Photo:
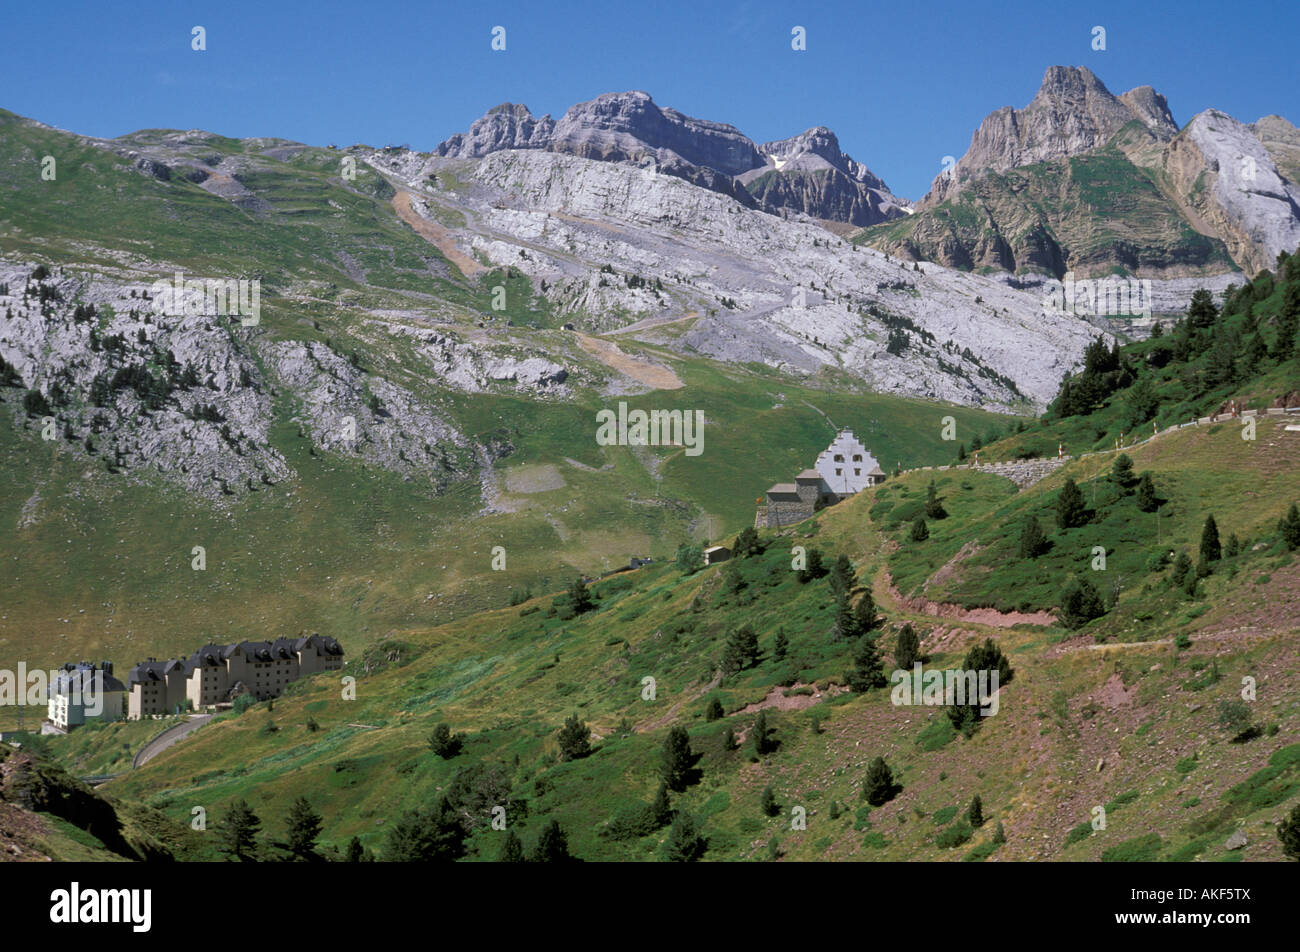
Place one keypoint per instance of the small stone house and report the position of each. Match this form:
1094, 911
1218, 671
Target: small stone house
842, 469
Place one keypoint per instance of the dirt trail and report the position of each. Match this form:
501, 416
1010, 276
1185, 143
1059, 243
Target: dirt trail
639, 369
649, 323
975, 616
435, 234
777, 698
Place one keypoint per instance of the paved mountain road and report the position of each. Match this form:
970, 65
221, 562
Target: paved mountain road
168, 737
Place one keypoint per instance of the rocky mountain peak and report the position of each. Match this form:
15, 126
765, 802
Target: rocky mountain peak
507, 126
817, 149
1073, 112
516, 109
630, 125
1152, 109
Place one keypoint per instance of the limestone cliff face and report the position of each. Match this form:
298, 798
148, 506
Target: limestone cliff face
630, 127
806, 174
1072, 113
620, 127
971, 339
1230, 185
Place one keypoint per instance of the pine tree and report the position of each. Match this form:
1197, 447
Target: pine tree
1182, 566
780, 646
1141, 403
733, 583
987, 656
1121, 473
579, 597
677, 765
879, 789
866, 673
741, 650
1033, 542
1071, 511
919, 531
1210, 548
1291, 528
239, 831
909, 648
444, 743
729, 740
814, 568
747, 543
304, 827
933, 507
714, 710
1287, 324
1254, 355
685, 843
999, 835
845, 626
35, 404
356, 853
661, 809
512, 849
864, 614
762, 735
1288, 831
841, 576
552, 846
575, 739
426, 836
976, 812
1202, 312
768, 804
1233, 546
1080, 603
1147, 500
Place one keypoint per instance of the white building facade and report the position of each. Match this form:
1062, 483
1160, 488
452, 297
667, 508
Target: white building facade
847, 467
82, 692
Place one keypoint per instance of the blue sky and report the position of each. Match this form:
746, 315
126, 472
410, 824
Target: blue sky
902, 84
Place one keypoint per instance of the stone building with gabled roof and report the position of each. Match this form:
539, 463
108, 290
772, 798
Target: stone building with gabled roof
842, 469
216, 673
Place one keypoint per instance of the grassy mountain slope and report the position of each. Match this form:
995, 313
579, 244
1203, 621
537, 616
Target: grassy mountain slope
100, 563
355, 551
1142, 706
1094, 214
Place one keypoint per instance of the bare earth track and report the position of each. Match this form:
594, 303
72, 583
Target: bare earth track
652, 375
435, 234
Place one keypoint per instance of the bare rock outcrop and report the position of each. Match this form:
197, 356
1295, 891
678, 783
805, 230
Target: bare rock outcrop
1229, 184
1072, 113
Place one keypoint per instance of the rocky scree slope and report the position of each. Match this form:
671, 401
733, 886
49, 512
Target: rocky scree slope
632, 244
